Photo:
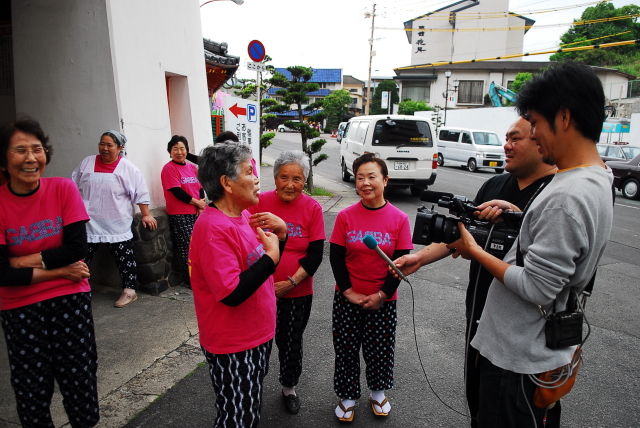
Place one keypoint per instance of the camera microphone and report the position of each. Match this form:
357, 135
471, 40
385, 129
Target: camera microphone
371, 243
434, 197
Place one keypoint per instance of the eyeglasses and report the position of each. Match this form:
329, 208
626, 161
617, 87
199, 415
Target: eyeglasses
23, 151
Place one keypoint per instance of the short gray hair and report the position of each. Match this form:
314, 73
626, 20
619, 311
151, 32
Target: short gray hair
218, 160
297, 157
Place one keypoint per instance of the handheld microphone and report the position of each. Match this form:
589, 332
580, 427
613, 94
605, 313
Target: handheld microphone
371, 243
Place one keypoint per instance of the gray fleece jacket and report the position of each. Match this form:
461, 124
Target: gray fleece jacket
562, 238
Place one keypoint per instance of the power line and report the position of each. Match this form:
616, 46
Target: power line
526, 27
578, 48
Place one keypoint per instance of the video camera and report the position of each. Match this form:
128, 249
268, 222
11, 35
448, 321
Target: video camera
434, 227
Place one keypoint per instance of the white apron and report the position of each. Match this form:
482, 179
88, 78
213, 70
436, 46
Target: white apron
109, 199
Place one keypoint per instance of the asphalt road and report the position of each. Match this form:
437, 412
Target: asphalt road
607, 391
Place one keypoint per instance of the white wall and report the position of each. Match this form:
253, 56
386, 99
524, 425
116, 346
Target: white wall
63, 75
464, 45
496, 119
150, 39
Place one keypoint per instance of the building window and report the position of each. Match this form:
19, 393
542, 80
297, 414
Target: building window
353, 90
471, 92
354, 101
416, 91
510, 84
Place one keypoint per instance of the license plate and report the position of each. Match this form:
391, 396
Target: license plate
402, 165
493, 163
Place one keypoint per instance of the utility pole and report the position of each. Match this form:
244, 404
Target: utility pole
369, 91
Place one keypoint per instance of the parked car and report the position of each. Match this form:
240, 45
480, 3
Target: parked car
341, 129
284, 128
615, 152
404, 142
626, 176
471, 148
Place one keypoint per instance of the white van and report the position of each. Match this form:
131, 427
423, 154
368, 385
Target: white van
472, 148
405, 143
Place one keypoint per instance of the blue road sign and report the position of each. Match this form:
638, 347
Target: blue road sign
252, 113
256, 50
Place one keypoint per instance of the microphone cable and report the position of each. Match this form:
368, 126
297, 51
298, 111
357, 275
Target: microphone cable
467, 337
415, 337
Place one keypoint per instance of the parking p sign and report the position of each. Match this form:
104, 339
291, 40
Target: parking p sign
252, 113
242, 117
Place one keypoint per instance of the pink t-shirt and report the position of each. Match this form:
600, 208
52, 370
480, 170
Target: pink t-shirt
388, 225
184, 177
30, 224
221, 249
106, 168
305, 224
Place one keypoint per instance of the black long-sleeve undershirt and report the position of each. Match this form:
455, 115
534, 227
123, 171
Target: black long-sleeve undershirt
193, 158
73, 249
337, 258
312, 261
252, 278
180, 194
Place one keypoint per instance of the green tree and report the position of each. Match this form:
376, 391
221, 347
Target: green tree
335, 107
624, 58
408, 106
294, 92
384, 86
520, 80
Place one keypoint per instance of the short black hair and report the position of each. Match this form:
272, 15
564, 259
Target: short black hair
569, 85
225, 136
371, 157
28, 126
175, 140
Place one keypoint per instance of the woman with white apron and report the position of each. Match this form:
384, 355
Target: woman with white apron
109, 185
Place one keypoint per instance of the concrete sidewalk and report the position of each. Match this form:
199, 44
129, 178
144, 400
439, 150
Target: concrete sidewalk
145, 349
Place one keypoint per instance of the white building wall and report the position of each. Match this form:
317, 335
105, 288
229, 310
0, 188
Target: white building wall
152, 40
614, 85
464, 45
63, 75
495, 119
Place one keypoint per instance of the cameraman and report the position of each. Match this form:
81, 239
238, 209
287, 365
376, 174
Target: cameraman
563, 235
527, 173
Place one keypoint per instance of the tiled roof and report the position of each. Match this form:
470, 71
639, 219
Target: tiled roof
295, 113
350, 80
327, 75
318, 93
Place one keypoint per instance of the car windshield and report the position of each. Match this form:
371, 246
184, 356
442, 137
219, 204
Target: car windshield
408, 133
486, 139
631, 152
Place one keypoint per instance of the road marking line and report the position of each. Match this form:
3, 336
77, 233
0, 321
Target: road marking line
628, 206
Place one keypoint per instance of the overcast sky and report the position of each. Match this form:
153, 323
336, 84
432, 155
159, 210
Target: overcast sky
335, 33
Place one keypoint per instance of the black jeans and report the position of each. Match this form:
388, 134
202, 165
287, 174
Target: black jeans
503, 404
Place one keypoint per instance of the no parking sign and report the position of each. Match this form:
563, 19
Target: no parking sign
256, 50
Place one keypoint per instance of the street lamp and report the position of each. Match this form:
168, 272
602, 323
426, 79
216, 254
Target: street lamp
445, 94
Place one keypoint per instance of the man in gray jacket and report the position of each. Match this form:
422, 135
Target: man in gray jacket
563, 236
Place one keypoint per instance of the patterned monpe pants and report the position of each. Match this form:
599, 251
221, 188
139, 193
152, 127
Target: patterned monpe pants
375, 331
49, 341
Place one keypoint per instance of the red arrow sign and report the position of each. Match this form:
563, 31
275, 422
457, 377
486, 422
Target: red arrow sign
238, 111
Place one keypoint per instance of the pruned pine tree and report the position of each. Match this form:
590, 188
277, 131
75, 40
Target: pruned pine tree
293, 93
